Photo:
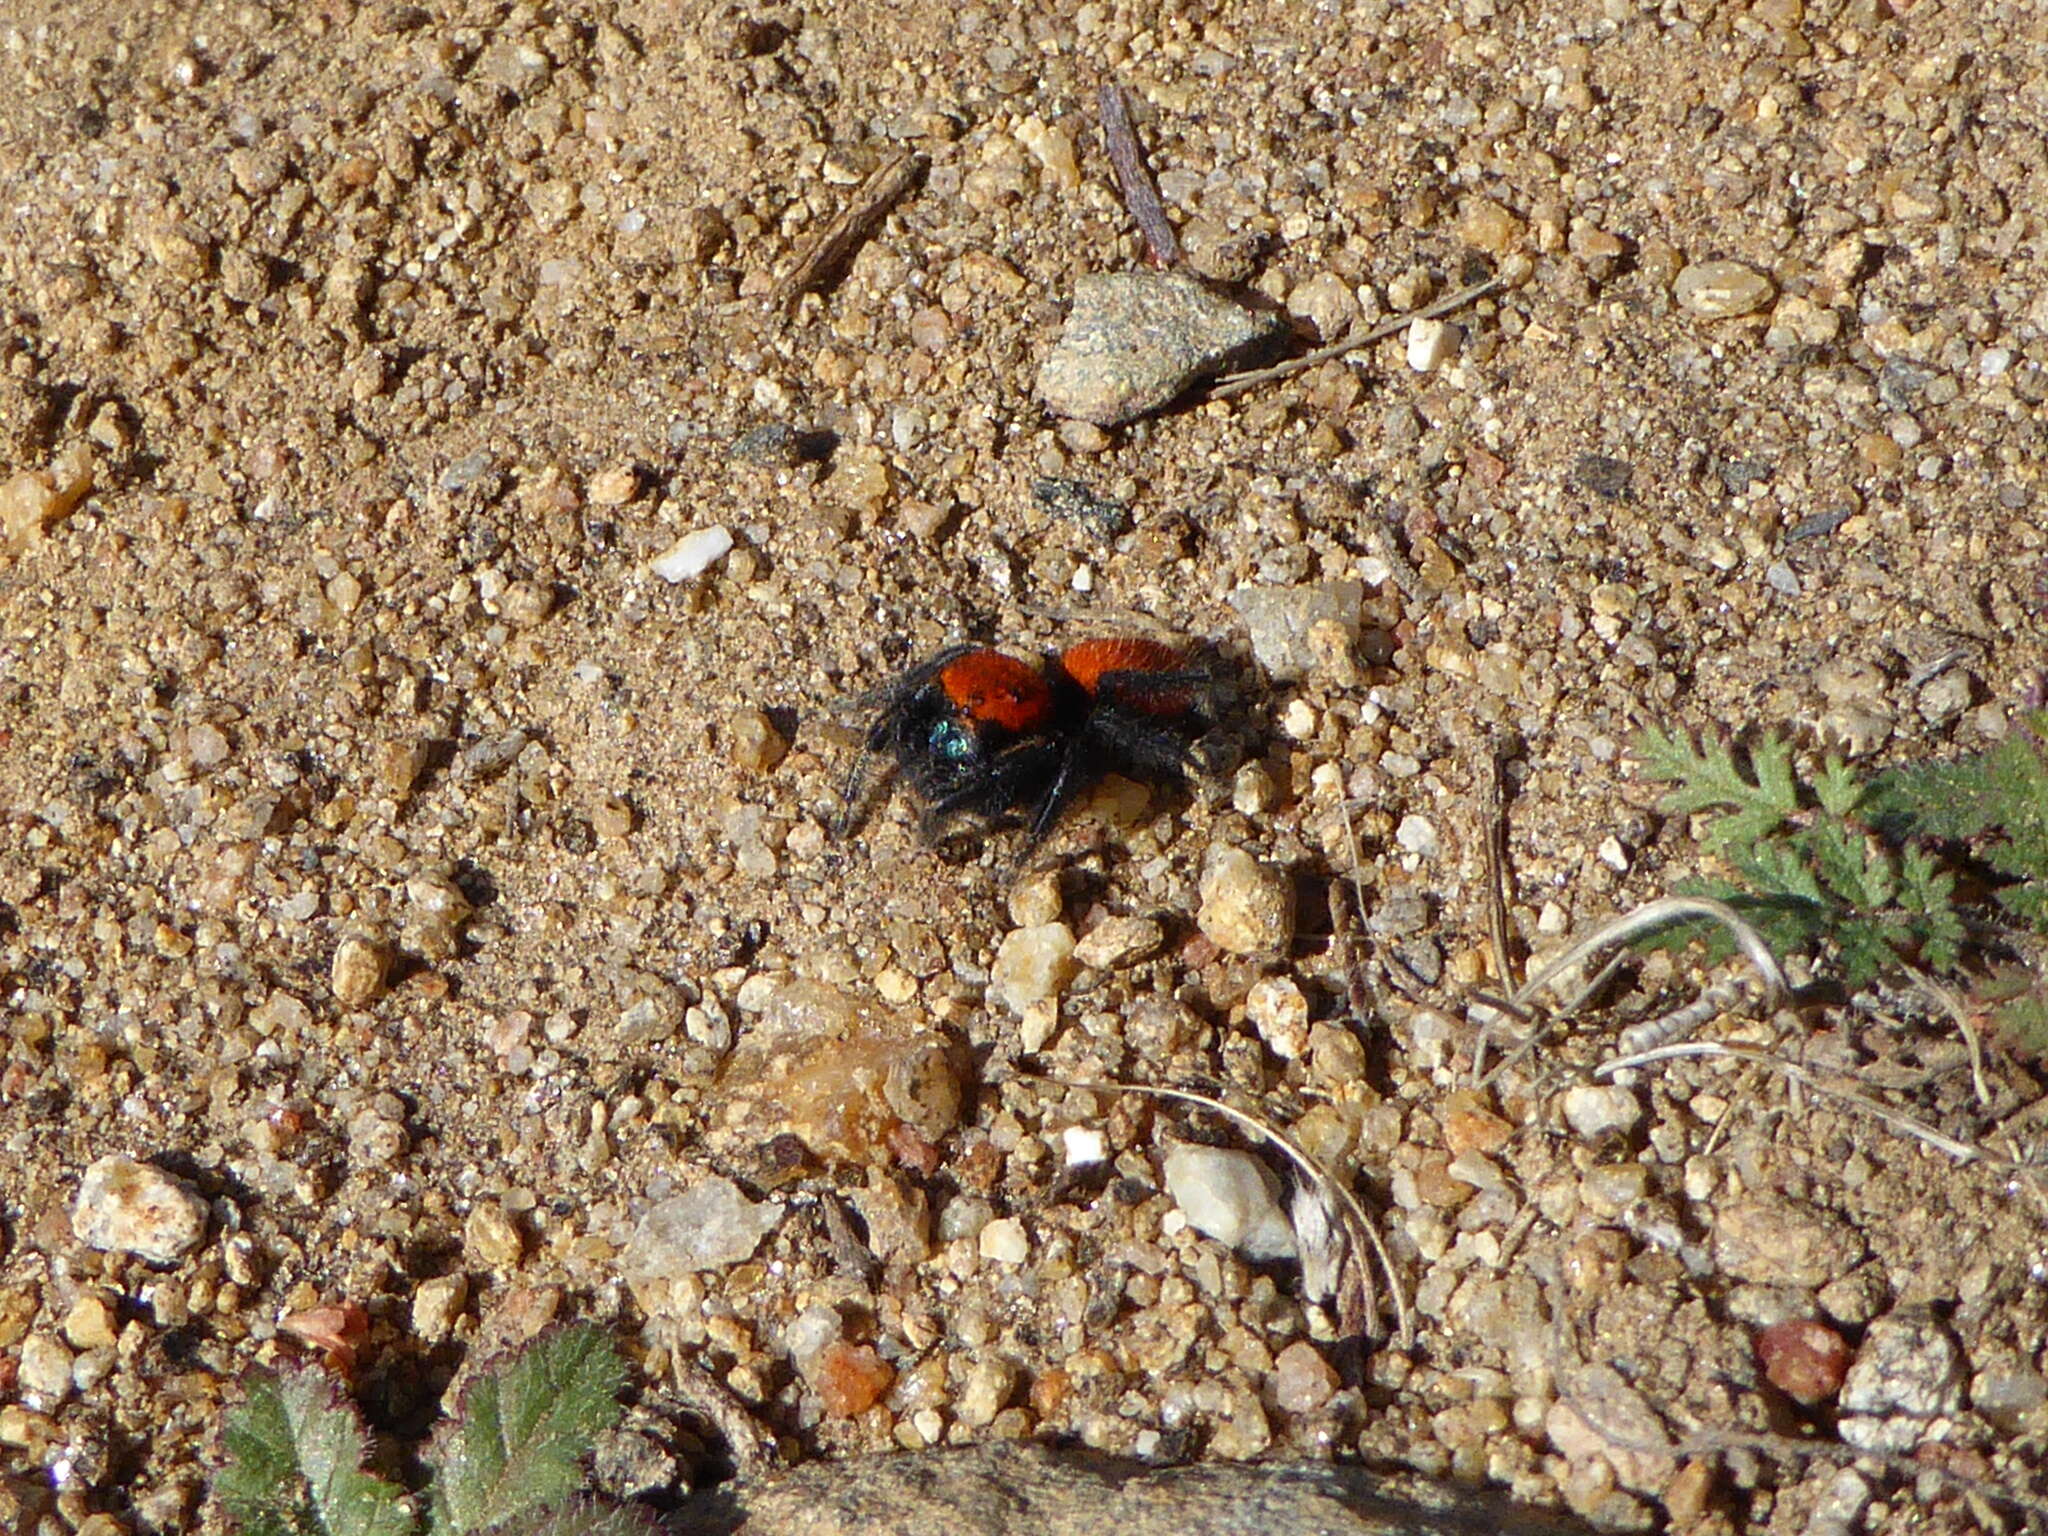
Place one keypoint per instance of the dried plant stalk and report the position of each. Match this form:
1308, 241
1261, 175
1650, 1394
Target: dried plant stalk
1134, 178
826, 260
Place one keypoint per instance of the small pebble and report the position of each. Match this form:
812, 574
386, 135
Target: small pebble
356, 976
44, 1372
1946, 697
1278, 1010
692, 555
35, 500
1327, 303
437, 1304
1084, 1145
1036, 900
849, 1378
1771, 1240
91, 1323
752, 741
1004, 1240
1594, 1110
1279, 622
1603, 1416
526, 603
1721, 290
1136, 341
1909, 1365
987, 1392
436, 913
1232, 1197
1804, 1358
1431, 344
1252, 790
468, 471
708, 1226
1119, 941
841, 1074
124, 1206
1302, 1379
1103, 516
490, 1238
1417, 834
1032, 965
1246, 907
2007, 1395
616, 486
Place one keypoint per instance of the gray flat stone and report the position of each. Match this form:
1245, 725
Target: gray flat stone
1136, 341
1008, 1490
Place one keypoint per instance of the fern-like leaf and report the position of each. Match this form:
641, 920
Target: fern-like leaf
2005, 789
1864, 879
2028, 903
1865, 946
1709, 777
1928, 891
1838, 789
295, 1464
2018, 998
1775, 868
514, 1444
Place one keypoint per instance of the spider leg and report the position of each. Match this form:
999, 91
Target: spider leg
1150, 747
853, 792
1079, 767
1165, 693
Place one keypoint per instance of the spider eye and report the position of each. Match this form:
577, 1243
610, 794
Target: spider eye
952, 741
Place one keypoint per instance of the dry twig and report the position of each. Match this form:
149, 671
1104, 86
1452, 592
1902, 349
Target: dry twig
1352, 340
1497, 863
754, 1448
826, 260
1945, 997
1134, 179
1904, 1124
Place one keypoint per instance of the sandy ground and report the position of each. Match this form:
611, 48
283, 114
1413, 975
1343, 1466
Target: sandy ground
396, 343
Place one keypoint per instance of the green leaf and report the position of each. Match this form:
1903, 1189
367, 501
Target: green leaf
1928, 890
1711, 777
1864, 880
1866, 946
2018, 995
2029, 903
2005, 788
514, 1444
295, 1464
1838, 789
1776, 869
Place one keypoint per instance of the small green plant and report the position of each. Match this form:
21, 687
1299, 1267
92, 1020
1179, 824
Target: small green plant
1873, 867
1810, 866
507, 1462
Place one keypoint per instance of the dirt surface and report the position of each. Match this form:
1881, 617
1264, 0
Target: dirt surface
396, 344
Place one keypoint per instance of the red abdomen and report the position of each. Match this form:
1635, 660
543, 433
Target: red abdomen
990, 688
1090, 661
